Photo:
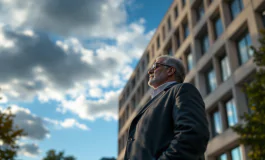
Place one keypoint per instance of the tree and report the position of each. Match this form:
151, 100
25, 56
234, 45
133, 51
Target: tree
105, 158
252, 131
8, 136
52, 155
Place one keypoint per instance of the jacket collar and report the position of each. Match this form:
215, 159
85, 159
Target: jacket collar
161, 88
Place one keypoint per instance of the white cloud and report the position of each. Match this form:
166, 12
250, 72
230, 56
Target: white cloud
67, 123
88, 109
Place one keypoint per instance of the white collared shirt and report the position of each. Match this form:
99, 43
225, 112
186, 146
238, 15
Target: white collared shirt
161, 88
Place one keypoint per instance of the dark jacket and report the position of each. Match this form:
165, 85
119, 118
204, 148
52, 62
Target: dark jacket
171, 126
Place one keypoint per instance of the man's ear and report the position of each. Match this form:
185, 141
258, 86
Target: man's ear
171, 71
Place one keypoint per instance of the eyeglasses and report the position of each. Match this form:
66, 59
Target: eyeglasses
157, 65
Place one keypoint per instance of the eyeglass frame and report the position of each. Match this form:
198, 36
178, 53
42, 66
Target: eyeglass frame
155, 67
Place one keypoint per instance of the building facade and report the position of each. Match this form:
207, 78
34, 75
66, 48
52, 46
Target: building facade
212, 37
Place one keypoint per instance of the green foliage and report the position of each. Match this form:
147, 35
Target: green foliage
52, 155
252, 132
104, 158
8, 136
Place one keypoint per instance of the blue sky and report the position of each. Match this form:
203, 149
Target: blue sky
63, 64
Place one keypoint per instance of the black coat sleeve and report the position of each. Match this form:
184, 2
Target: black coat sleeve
191, 133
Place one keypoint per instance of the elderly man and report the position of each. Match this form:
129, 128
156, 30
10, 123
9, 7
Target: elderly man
173, 124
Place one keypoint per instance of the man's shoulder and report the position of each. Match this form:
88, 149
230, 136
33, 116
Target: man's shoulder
184, 87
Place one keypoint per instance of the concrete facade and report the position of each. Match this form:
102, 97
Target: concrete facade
220, 62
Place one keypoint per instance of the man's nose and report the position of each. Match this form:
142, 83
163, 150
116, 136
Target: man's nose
150, 71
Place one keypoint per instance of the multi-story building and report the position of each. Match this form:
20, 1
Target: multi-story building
212, 37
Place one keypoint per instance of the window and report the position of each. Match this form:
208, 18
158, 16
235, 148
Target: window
263, 18
169, 23
210, 80
200, 11
189, 61
177, 39
204, 44
218, 27
164, 32
231, 112
216, 123
169, 51
186, 30
235, 6
222, 157
147, 58
153, 51
236, 154
158, 42
243, 46
183, 3
225, 68
176, 12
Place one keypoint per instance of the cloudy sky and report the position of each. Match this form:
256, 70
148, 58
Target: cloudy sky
63, 64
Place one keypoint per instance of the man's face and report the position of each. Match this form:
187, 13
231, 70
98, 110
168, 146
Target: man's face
158, 75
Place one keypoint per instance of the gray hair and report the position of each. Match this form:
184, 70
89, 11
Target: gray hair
177, 64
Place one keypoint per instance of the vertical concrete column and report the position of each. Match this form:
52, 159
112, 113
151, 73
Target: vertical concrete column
240, 101
253, 27
245, 151
184, 61
247, 3
225, 14
210, 32
232, 54
190, 22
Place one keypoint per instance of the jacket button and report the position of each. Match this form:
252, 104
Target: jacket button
130, 139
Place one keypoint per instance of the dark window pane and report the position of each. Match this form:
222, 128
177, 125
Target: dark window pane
236, 154
231, 113
183, 3
225, 67
222, 157
204, 44
263, 18
176, 12
158, 42
200, 11
245, 53
236, 7
186, 30
164, 32
178, 39
218, 27
211, 80
189, 61
216, 121
169, 23
169, 51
